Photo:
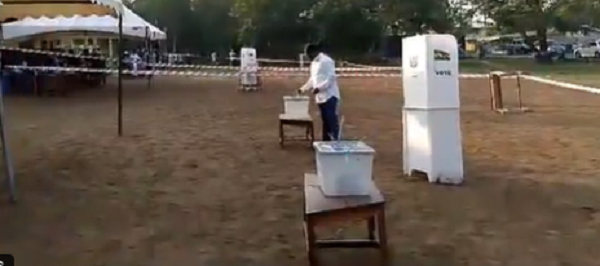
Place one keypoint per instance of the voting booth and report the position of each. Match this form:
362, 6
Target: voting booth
249, 78
432, 142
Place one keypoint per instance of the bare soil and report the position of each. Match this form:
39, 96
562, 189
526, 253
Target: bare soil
199, 179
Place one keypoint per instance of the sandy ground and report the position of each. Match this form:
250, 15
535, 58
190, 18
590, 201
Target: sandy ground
199, 179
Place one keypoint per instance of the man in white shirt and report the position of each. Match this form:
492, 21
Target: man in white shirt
323, 84
231, 57
213, 57
135, 61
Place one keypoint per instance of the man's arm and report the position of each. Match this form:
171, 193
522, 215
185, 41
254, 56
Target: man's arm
307, 86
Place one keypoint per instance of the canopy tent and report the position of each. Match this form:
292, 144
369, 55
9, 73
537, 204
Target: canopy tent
133, 26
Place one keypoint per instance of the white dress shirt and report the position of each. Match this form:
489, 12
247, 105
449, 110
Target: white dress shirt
323, 78
135, 62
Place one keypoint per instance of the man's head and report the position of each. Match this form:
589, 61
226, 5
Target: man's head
312, 50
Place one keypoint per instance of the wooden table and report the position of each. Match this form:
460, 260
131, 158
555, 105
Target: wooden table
320, 210
296, 121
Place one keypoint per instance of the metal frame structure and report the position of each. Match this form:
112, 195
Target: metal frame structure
8, 166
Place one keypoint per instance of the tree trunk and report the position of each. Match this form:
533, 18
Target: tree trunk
543, 56
542, 35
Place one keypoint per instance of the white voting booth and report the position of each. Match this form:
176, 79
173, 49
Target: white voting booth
432, 141
249, 79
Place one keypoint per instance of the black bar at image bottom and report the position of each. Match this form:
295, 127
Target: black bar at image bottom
7, 260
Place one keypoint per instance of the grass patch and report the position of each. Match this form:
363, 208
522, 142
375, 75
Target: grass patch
475, 66
592, 80
529, 65
575, 72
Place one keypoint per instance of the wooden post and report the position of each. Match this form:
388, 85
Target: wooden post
519, 101
496, 102
147, 57
120, 78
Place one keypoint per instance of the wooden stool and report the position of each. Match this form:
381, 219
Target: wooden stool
496, 99
321, 210
297, 121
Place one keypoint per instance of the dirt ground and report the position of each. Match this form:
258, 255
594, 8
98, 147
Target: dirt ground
199, 179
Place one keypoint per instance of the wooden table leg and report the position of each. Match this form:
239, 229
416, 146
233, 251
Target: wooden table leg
371, 228
382, 235
62, 85
35, 85
281, 134
307, 133
312, 133
311, 240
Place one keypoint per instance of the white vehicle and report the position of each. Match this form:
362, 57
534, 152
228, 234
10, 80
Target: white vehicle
175, 58
588, 49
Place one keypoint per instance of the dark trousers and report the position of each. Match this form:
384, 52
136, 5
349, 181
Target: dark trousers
329, 116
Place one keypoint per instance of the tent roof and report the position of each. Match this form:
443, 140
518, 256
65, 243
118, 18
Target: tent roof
21, 11
36, 8
133, 25
111, 3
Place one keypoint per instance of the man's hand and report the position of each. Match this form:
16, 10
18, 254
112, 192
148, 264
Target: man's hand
306, 87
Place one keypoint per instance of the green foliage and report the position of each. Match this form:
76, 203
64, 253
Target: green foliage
540, 15
280, 28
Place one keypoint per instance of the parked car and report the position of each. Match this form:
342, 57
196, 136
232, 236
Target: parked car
556, 48
568, 52
519, 46
587, 50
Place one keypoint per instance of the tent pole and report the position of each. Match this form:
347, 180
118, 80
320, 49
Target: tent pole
8, 167
120, 77
147, 56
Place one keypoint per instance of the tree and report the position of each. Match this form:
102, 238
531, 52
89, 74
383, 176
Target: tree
344, 26
571, 16
275, 26
279, 28
413, 17
526, 15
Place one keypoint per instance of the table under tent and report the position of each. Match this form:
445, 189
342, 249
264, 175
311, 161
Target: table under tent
14, 10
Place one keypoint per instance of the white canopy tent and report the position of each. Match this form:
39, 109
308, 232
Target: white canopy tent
133, 26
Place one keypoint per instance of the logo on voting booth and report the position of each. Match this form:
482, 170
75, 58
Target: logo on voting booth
439, 55
414, 61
